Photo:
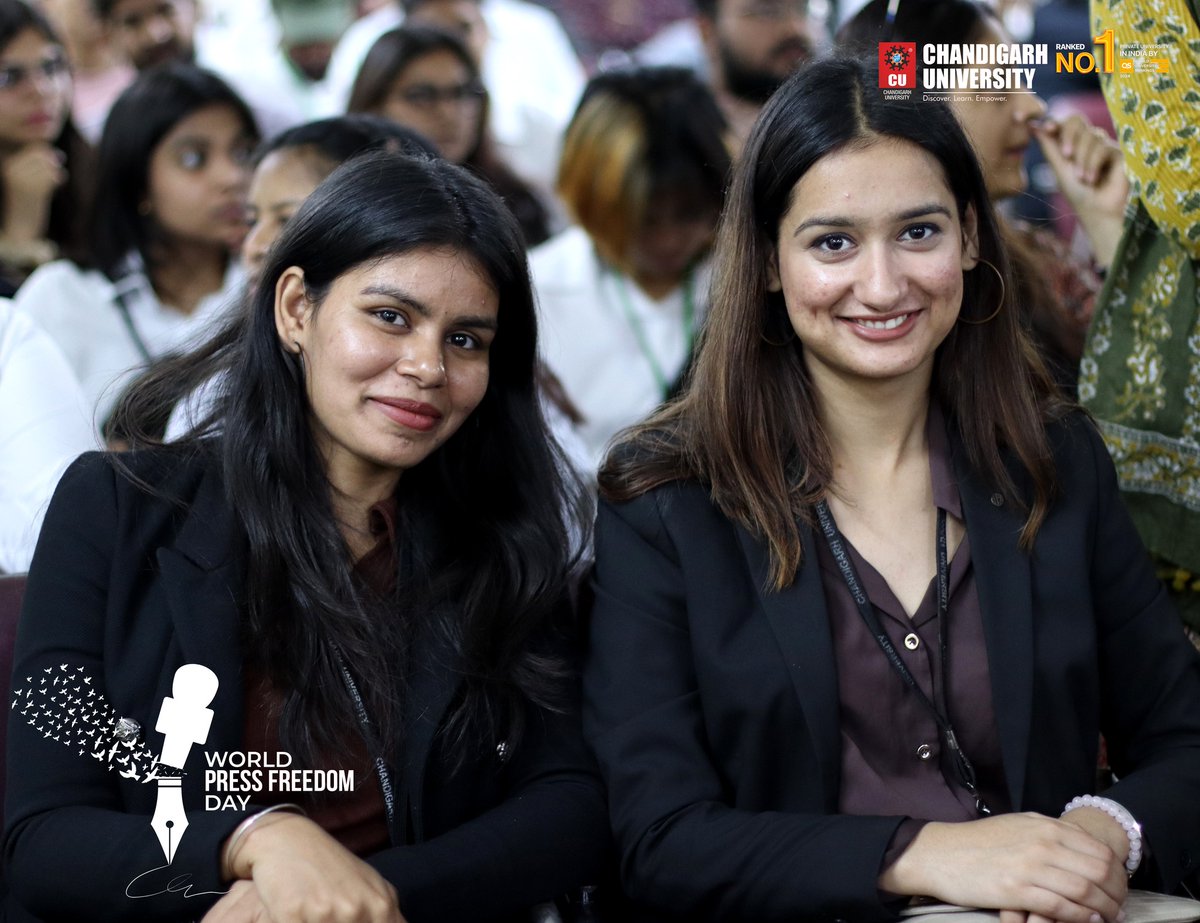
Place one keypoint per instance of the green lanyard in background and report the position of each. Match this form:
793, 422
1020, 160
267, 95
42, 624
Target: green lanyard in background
639, 331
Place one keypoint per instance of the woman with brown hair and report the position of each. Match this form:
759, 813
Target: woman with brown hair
866, 597
1056, 288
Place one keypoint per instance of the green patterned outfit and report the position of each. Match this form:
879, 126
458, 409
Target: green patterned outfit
1140, 375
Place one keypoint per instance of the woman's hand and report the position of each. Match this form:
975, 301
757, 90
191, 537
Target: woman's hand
240, 905
1090, 171
1026, 865
292, 871
1102, 826
30, 177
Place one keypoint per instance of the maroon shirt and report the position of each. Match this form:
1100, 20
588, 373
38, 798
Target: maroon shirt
893, 762
358, 819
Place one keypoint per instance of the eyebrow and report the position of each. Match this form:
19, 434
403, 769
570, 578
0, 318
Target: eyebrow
202, 139
199, 140
54, 54
837, 221
485, 323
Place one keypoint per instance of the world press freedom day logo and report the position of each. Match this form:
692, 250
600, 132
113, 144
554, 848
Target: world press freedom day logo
898, 65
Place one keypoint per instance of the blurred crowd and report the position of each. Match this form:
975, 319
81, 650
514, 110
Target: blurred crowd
134, 203
559, 224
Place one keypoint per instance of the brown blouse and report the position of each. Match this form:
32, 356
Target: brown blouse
892, 756
355, 819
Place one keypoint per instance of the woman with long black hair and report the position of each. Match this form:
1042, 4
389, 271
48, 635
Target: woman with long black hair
366, 545
166, 222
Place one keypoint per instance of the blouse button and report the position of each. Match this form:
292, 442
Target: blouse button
924, 752
997, 499
911, 641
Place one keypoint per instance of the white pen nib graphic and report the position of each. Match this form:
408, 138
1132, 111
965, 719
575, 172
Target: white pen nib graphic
66, 709
64, 706
169, 819
183, 720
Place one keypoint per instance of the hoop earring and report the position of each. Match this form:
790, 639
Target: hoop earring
789, 337
991, 317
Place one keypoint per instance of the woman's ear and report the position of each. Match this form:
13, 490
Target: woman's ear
293, 310
774, 284
970, 241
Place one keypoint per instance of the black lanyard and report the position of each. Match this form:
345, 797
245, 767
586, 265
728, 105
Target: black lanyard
372, 741
963, 769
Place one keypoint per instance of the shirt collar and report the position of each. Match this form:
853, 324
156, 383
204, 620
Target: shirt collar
941, 470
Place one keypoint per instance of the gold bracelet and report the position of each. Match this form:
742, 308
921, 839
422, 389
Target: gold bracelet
242, 829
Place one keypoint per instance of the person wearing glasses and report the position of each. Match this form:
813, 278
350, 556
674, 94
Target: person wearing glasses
866, 594
426, 79
525, 60
43, 169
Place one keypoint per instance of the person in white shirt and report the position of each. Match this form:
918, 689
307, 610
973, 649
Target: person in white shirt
623, 293
43, 427
151, 33
280, 61
529, 67
99, 71
169, 214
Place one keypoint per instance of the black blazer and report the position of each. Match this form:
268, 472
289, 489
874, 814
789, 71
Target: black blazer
128, 586
712, 703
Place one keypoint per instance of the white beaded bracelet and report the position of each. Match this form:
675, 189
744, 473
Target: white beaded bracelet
1117, 812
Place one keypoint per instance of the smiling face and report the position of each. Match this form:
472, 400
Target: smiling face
396, 358
1000, 132
196, 190
871, 258
33, 106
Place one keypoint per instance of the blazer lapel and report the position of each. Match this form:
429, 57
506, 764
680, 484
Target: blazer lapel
201, 583
798, 618
1002, 577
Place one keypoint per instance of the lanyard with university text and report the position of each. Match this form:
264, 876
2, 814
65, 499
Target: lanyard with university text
963, 770
372, 741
